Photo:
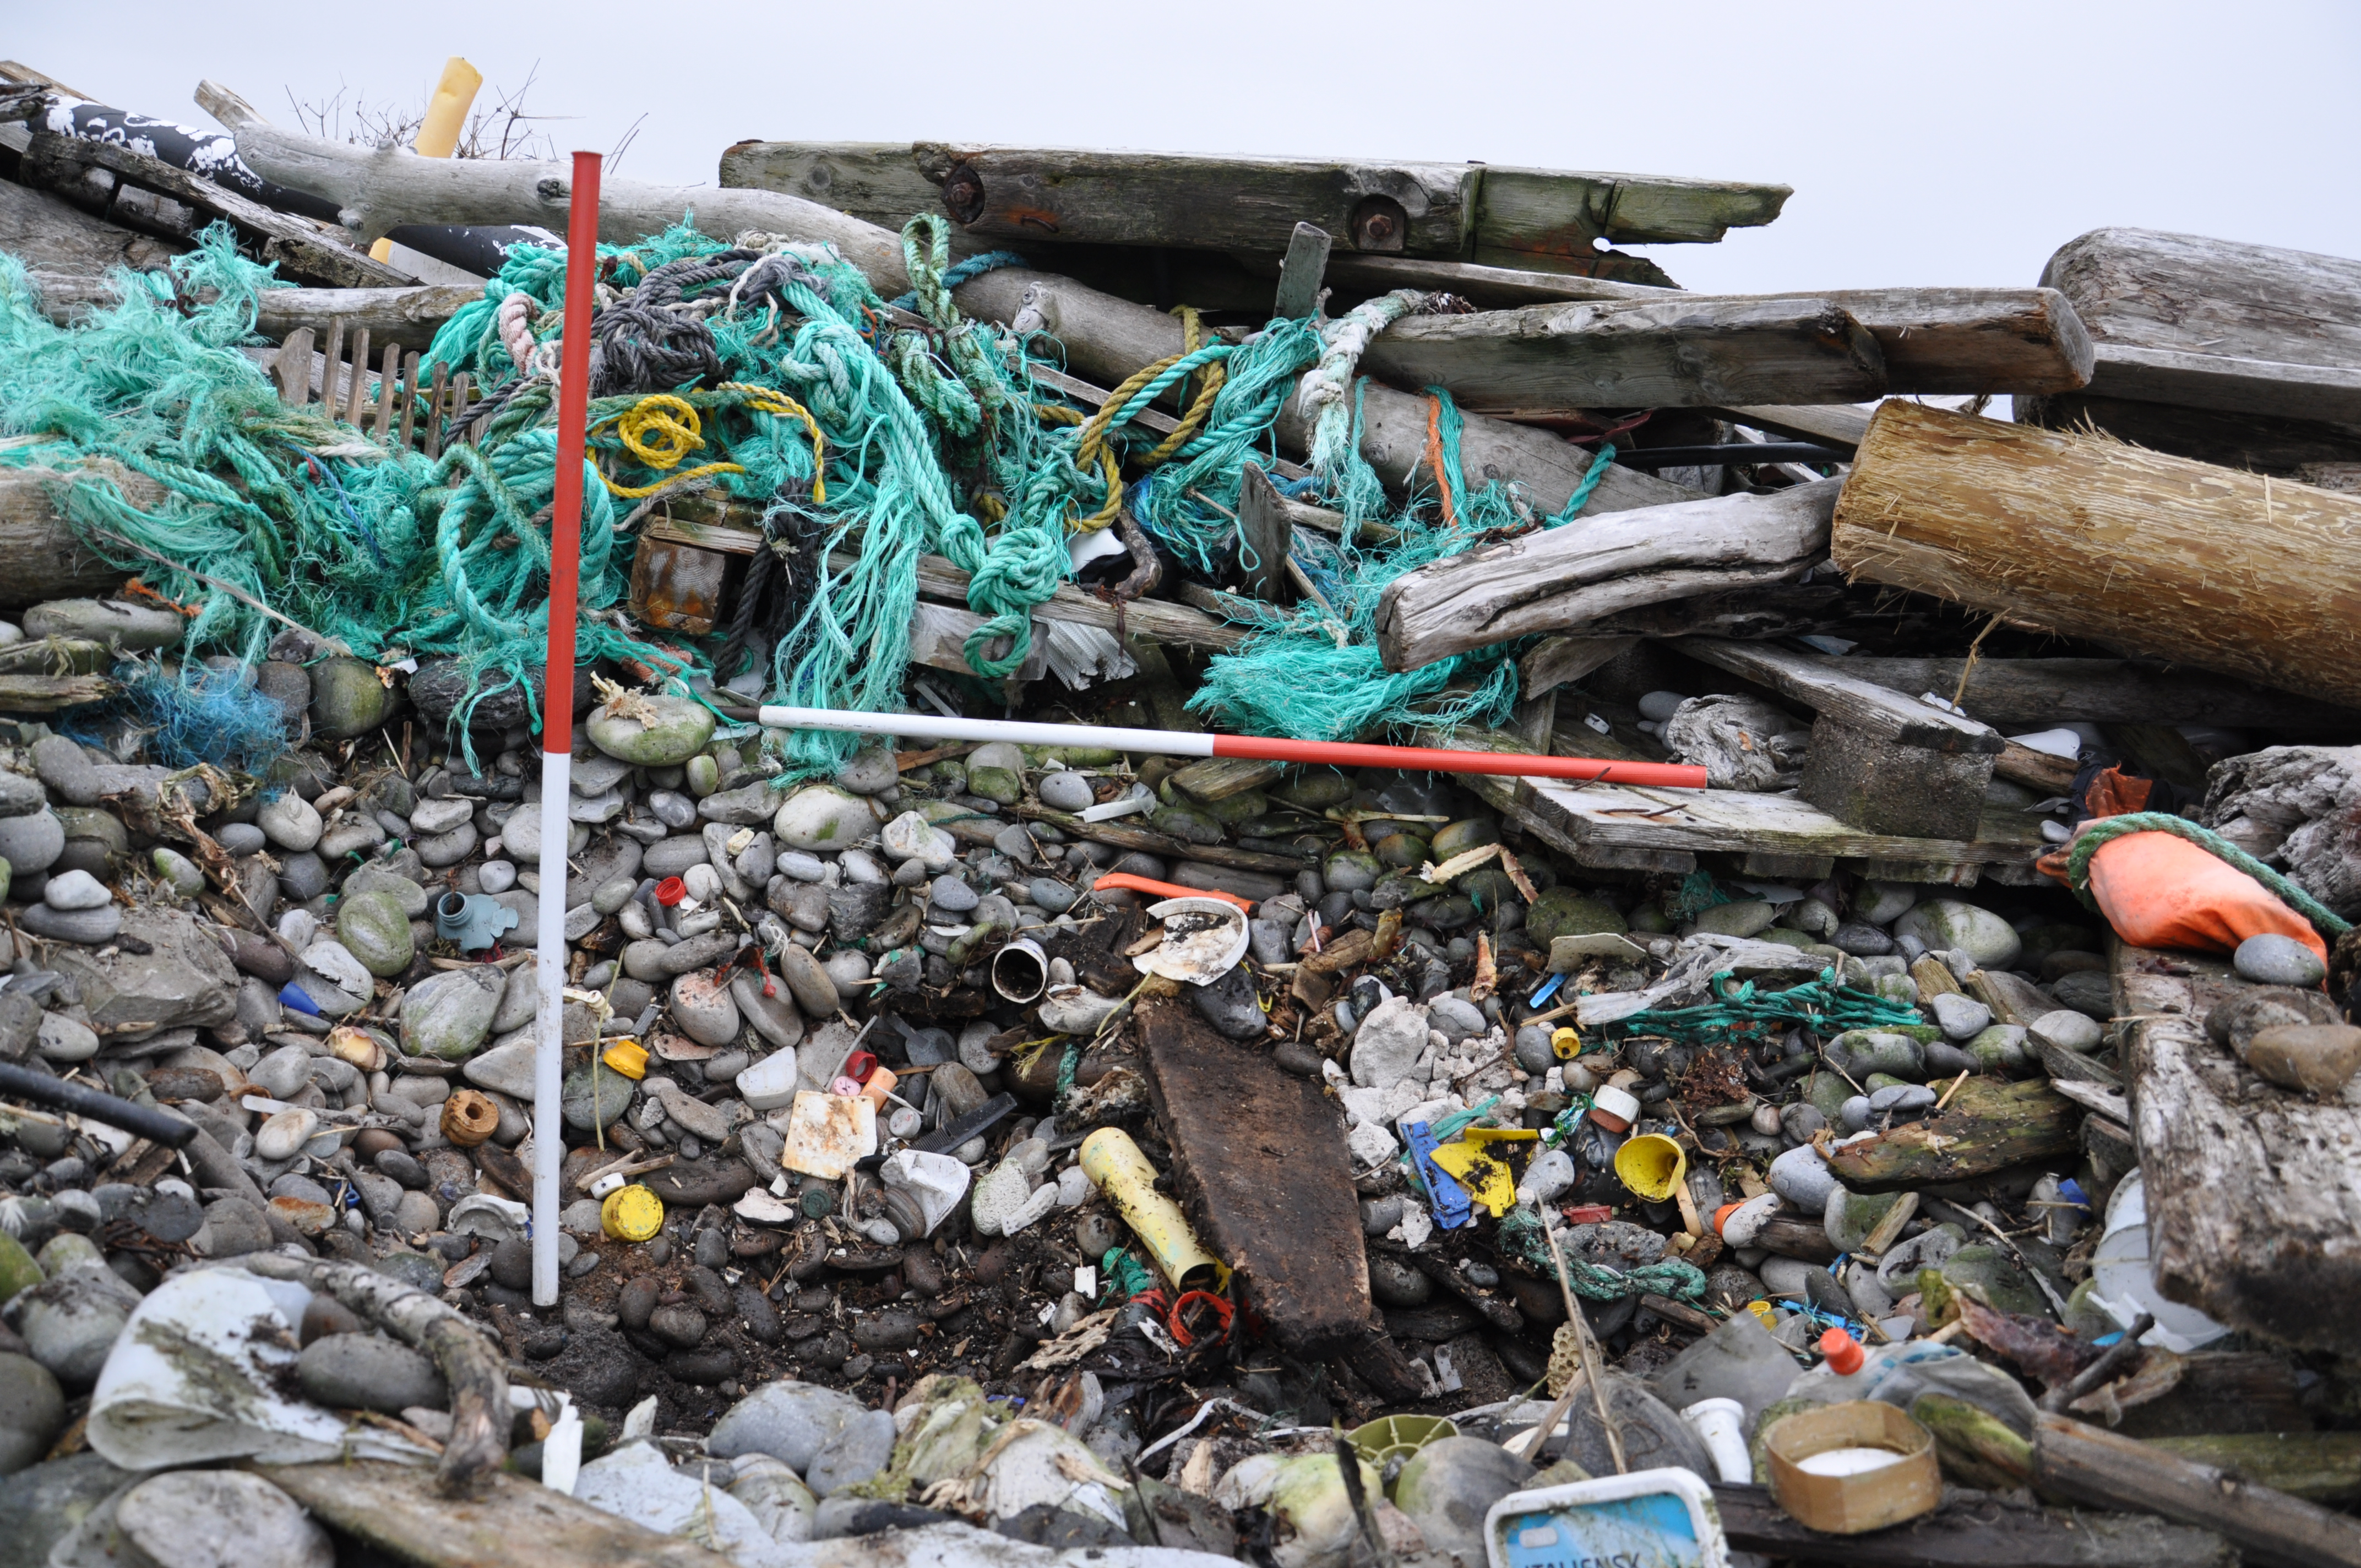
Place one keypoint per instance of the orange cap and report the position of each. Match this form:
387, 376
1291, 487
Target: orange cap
1844, 1356
880, 1083
1721, 1215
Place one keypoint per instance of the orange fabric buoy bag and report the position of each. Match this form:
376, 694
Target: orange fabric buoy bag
2159, 891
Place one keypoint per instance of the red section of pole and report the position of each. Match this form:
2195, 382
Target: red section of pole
1419, 759
573, 434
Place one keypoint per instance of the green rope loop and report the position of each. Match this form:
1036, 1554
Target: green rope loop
2107, 829
1522, 1233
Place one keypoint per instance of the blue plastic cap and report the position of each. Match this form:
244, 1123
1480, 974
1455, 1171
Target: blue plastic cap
292, 995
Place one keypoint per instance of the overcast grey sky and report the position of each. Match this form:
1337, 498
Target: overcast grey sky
1927, 144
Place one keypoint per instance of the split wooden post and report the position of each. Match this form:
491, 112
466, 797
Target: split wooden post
1300, 273
557, 721
1263, 525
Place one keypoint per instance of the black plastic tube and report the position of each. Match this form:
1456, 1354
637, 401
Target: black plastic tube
145, 1121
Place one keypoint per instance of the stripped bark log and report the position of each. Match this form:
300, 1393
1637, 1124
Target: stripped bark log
2154, 555
470, 1364
1560, 579
46, 560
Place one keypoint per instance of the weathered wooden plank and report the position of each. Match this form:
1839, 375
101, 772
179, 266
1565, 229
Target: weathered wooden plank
1561, 661
2215, 324
1260, 1161
1988, 1125
410, 317
1829, 687
51, 236
2282, 447
1219, 778
2154, 555
2045, 692
66, 164
1675, 351
1601, 817
1560, 579
2253, 1192
1146, 840
1840, 425
1973, 1530
1537, 217
2318, 1466
398, 1509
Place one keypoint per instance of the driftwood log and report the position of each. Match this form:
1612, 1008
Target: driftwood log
2039, 692
395, 1511
2300, 808
46, 561
2254, 1196
1560, 579
2083, 535
470, 1363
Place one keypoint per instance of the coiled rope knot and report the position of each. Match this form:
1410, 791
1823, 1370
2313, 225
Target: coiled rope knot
660, 430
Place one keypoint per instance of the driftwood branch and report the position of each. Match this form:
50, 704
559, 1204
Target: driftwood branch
470, 1365
1560, 579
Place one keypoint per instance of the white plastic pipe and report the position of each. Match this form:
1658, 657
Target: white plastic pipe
1722, 1425
549, 1023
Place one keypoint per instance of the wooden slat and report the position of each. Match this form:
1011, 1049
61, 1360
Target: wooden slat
410, 317
1827, 687
2040, 693
1669, 352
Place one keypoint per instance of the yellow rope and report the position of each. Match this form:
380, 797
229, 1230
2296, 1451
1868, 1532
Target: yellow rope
660, 430
1094, 446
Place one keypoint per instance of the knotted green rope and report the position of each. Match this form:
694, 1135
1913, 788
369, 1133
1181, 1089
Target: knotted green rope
1522, 1233
2107, 829
1830, 1008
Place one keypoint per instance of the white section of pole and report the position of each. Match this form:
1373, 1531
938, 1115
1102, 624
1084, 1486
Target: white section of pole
549, 1024
1169, 742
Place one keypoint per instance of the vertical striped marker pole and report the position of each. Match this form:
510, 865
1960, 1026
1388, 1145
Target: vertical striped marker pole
557, 721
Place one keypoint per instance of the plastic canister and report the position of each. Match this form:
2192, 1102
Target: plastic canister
879, 1084
632, 1213
1721, 1424
1614, 1109
2122, 1279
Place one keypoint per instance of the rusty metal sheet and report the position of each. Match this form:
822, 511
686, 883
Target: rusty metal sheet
678, 586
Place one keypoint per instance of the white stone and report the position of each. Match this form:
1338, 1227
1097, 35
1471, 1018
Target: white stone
333, 963
769, 1083
76, 890
822, 817
1389, 1043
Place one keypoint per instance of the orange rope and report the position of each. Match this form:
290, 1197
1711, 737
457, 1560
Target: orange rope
1435, 458
135, 589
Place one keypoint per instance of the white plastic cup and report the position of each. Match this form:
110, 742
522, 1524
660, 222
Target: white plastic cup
1721, 1424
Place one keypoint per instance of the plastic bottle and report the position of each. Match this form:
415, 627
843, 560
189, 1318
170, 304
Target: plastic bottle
1846, 1371
1898, 1373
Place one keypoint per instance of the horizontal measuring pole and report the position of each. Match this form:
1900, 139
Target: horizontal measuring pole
1255, 748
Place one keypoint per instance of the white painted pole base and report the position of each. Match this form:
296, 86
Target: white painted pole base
549, 1024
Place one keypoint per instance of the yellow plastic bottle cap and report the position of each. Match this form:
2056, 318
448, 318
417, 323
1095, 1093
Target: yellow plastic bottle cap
1764, 1310
632, 1213
1565, 1044
627, 1056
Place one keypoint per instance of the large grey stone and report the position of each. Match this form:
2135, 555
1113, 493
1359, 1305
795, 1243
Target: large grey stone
813, 989
1946, 923
184, 979
348, 699
857, 1451
774, 1016
70, 1322
32, 1409
1448, 1486
31, 843
65, 770
368, 1372
90, 927
703, 1010
2271, 959
289, 821
449, 1015
822, 817
221, 1518
507, 1068
374, 928
660, 733
404, 891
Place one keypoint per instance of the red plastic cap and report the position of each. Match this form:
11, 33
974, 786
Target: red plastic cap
671, 890
1844, 1356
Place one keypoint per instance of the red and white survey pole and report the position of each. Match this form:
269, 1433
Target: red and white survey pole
557, 721
1259, 747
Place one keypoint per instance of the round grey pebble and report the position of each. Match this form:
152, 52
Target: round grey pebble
672, 809
302, 876
241, 837
1901, 1098
1066, 791
2269, 958
90, 926
1535, 1052
1051, 896
496, 876
951, 896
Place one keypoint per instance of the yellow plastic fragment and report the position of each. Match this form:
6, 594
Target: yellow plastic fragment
1476, 1165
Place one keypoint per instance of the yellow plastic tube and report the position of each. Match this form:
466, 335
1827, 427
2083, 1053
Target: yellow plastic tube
446, 117
1117, 1169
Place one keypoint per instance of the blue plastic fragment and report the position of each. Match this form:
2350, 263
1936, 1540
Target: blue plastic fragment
1445, 1195
1548, 989
292, 995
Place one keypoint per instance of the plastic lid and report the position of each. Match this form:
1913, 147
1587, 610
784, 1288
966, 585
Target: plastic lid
671, 890
1844, 1356
1614, 1108
632, 1213
627, 1056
